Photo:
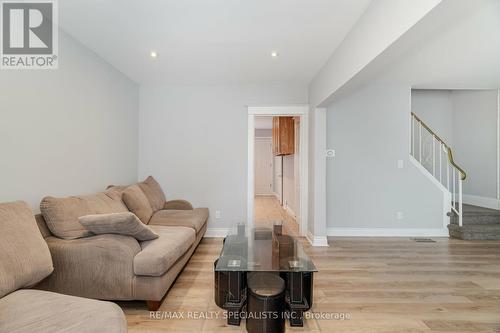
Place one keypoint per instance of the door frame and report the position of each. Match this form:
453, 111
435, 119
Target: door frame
301, 111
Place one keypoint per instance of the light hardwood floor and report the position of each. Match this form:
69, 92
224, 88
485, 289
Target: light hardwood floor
384, 284
267, 209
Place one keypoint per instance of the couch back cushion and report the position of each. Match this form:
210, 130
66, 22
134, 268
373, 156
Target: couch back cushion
138, 203
61, 214
154, 193
24, 256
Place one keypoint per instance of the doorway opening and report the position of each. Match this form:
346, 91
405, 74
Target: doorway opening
277, 168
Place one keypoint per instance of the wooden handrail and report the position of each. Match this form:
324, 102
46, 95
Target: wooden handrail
463, 174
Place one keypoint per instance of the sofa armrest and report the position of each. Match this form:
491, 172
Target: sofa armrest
178, 205
100, 266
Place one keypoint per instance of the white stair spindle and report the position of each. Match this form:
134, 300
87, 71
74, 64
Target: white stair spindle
412, 135
420, 143
434, 156
447, 173
441, 163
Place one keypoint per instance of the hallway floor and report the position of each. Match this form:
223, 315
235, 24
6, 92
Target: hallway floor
267, 209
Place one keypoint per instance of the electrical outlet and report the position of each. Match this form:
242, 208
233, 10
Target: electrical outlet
218, 214
399, 215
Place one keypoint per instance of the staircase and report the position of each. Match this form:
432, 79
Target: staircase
466, 221
478, 224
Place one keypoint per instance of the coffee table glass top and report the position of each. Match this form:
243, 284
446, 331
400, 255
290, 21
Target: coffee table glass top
264, 250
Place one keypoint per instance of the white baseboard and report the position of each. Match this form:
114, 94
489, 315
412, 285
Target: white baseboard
387, 232
486, 202
217, 232
317, 241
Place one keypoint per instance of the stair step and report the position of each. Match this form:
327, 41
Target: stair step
475, 231
477, 215
476, 219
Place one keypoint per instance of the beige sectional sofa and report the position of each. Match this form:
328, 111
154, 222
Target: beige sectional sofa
24, 261
114, 266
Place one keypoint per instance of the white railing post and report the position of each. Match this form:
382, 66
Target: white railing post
454, 192
460, 203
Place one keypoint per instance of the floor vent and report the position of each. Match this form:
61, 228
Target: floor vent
423, 240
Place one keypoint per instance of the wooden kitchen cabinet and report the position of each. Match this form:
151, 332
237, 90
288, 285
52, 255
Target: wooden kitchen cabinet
283, 136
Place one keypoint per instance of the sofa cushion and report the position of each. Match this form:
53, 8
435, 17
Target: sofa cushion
158, 255
61, 214
138, 203
118, 223
178, 204
27, 311
153, 192
24, 256
98, 267
195, 218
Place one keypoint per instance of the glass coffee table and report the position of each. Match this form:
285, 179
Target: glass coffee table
263, 250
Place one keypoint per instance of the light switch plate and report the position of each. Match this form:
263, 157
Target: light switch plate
400, 164
330, 153
218, 214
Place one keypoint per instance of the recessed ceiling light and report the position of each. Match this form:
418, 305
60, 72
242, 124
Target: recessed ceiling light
274, 54
154, 54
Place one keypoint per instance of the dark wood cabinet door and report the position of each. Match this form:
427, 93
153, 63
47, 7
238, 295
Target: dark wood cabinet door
283, 136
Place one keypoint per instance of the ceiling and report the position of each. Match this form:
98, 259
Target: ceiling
212, 42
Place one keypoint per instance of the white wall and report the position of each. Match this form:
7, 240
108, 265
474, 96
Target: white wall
435, 109
475, 140
194, 140
352, 56
370, 132
67, 131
